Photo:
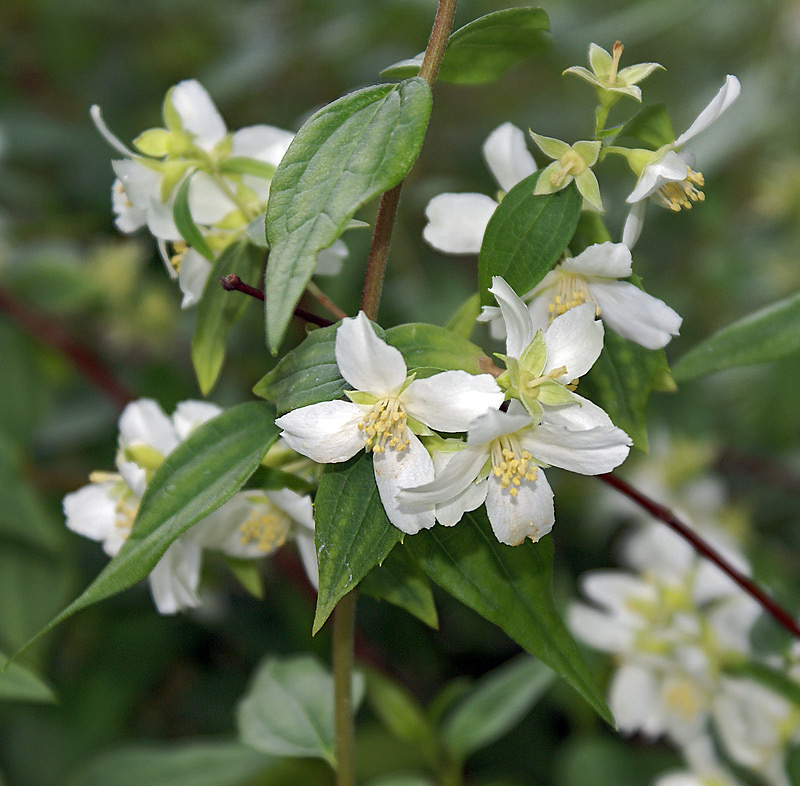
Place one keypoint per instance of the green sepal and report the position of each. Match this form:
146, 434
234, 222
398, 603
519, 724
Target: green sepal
184, 221
554, 394
153, 142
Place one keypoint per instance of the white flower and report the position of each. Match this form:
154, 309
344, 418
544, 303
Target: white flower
594, 277
665, 175
377, 417
505, 454
251, 524
457, 222
543, 367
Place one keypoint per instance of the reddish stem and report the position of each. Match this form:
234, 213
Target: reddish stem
665, 515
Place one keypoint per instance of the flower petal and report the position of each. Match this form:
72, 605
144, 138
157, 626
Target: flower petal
473, 496
176, 577
450, 482
634, 223
507, 156
128, 218
635, 73
600, 60
298, 506
519, 327
634, 314
590, 188
451, 400
91, 511
727, 94
634, 700
395, 470
552, 148
329, 260
588, 151
141, 183
97, 118
262, 142
546, 182
207, 202
496, 423
308, 555
192, 277
161, 223
457, 222
529, 514
669, 168
575, 340
189, 415
581, 415
143, 422
326, 432
367, 362
588, 452
600, 631
198, 113
610, 260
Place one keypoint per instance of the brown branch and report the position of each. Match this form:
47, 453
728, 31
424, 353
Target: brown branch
325, 301
232, 283
387, 209
56, 337
665, 515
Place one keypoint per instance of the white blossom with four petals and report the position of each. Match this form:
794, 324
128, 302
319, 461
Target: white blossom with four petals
384, 403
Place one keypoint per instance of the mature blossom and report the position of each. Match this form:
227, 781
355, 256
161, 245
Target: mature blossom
384, 411
572, 162
595, 276
665, 175
251, 524
504, 457
457, 222
608, 78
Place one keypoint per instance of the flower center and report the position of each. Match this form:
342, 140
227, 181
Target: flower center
180, 248
616, 55
511, 463
572, 290
530, 384
571, 164
385, 426
681, 194
267, 529
683, 698
122, 194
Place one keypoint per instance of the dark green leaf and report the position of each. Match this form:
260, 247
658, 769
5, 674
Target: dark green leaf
353, 533
400, 582
771, 333
510, 586
621, 382
486, 48
651, 126
272, 479
345, 155
184, 222
202, 473
192, 764
247, 573
19, 684
429, 346
288, 708
219, 310
499, 701
526, 236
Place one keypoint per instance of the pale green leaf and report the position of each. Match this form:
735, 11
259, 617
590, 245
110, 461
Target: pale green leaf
526, 236
497, 703
288, 708
510, 586
772, 333
399, 711
353, 533
185, 224
486, 48
346, 154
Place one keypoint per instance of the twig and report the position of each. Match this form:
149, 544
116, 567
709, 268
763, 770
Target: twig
325, 301
665, 515
232, 282
387, 209
56, 337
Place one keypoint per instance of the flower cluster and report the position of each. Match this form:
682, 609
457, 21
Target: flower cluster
679, 629
252, 524
228, 177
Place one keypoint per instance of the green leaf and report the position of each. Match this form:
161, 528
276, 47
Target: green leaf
202, 473
272, 479
184, 222
403, 779
19, 684
345, 155
526, 235
772, 333
621, 382
431, 347
651, 126
486, 48
510, 586
400, 712
219, 310
353, 533
400, 582
247, 573
499, 701
193, 764
463, 321
288, 708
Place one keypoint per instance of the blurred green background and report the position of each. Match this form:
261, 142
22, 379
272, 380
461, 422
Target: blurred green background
125, 676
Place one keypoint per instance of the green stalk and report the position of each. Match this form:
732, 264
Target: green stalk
344, 616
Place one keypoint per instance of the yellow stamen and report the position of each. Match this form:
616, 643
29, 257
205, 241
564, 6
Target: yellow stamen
266, 528
512, 464
571, 164
180, 248
681, 194
616, 54
385, 426
572, 290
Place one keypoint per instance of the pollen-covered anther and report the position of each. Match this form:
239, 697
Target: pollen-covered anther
385, 426
572, 290
180, 248
512, 464
267, 530
681, 194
